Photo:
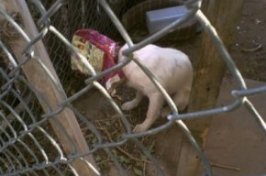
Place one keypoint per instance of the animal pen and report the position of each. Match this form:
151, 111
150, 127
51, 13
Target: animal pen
43, 132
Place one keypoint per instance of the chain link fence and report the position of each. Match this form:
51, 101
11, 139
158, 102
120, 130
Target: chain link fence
33, 139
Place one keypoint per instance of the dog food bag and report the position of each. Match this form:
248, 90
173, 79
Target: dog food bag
100, 51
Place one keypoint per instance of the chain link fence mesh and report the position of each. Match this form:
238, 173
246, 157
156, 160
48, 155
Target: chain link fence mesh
28, 145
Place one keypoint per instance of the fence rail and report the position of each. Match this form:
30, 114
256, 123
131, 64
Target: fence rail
27, 144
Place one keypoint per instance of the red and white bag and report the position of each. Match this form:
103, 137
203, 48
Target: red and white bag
100, 51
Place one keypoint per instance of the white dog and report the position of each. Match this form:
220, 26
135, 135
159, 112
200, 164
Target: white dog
173, 70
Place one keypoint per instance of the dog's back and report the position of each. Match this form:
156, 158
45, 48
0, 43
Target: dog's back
171, 67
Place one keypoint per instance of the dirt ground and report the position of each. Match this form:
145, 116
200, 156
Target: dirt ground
235, 140
249, 56
249, 53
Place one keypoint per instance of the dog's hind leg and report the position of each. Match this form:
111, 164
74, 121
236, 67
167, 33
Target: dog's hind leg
133, 103
181, 98
155, 105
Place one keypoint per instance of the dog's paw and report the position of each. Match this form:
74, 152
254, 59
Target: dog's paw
127, 106
139, 128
